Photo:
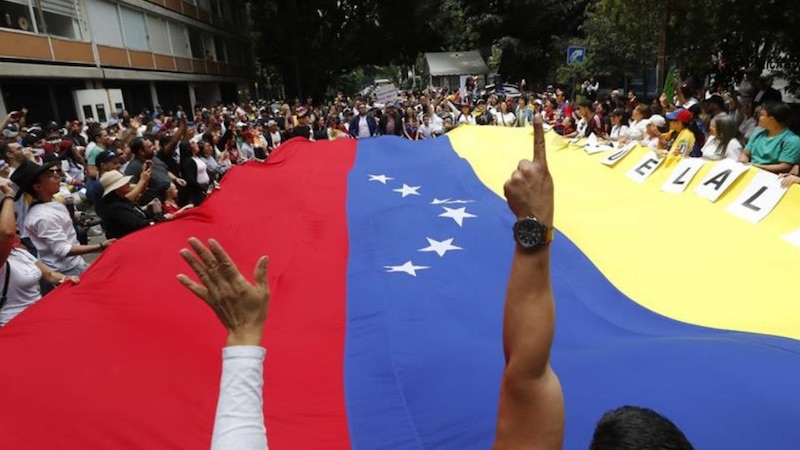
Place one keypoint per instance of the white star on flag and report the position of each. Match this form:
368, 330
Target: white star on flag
380, 178
407, 190
440, 247
408, 267
457, 214
449, 201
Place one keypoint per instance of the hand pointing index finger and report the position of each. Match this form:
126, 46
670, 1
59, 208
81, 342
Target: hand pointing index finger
539, 151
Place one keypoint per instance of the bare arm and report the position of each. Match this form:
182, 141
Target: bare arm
531, 412
141, 185
8, 224
775, 168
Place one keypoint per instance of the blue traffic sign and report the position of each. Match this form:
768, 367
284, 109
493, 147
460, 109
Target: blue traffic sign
576, 55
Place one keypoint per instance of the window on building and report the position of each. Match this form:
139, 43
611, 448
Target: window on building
16, 14
159, 35
219, 46
104, 22
209, 46
196, 43
204, 4
135, 29
180, 40
60, 18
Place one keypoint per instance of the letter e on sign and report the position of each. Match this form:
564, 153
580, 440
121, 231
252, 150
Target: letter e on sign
680, 178
719, 179
759, 198
645, 167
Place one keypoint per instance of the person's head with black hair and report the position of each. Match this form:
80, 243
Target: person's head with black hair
634, 428
142, 149
775, 115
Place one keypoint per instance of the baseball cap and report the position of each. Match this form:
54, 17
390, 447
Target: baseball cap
657, 120
681, 115
106, 156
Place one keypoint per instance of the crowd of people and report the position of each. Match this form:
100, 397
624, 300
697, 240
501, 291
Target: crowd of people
62, 183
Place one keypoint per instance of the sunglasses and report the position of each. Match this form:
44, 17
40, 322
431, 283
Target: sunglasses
55, 171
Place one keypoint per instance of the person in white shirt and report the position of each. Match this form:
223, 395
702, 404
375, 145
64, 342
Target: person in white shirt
652, 139
20, 272
49, 224
426, 130
722, 142
504, 118
619, 129
530, 390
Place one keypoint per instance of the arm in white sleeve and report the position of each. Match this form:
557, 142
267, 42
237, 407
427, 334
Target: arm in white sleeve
239, 424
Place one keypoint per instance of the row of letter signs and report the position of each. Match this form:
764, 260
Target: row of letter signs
757, 200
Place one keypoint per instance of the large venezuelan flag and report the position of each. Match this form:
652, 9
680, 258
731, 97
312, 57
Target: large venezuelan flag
388, 267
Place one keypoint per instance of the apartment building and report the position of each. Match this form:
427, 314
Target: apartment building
67, 59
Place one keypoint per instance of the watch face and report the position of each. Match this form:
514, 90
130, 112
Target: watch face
529, 233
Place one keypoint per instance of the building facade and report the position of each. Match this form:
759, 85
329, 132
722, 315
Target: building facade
68, 59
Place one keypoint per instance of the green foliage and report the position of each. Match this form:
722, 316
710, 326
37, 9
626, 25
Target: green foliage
523, 31
704, 37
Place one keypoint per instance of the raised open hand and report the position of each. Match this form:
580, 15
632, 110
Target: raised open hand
240, 306
529, 191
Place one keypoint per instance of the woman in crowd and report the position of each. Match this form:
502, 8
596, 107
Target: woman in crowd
320, 130
72, 163
194, 171
619, 129
20, 273
411, 128
505, 118
722, 142
121, 216
680, 139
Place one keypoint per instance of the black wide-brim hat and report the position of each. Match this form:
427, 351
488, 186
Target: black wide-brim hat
26, 174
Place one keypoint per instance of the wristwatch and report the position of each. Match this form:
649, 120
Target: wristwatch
531, 234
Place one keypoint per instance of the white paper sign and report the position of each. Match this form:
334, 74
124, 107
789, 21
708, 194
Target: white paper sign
680, 178
593, 145
645, 167
759, 198
720, 178
614, 158
793, 238
386, 93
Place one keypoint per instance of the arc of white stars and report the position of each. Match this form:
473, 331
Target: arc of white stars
440, 247
380, 178
407, 267
457, 214
407, 190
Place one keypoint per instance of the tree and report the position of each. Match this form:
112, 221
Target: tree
524, 31
715, 38
314, 42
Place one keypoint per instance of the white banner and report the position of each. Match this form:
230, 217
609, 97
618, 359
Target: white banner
680, 178
720, 178
645, 167
614, 158
759, 198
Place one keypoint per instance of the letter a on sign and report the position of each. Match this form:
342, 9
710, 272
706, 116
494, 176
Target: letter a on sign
759, 198
720, 178
614, 158
645, 167
680, 178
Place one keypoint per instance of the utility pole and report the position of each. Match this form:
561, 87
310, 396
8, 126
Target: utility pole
661, 65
